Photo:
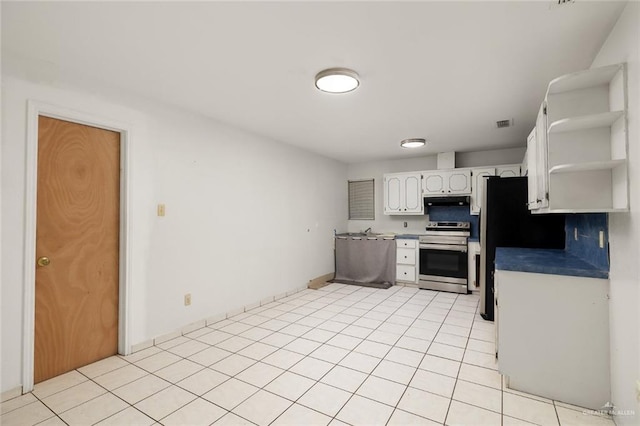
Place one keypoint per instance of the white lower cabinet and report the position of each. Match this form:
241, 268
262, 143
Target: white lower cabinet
553, 336
406, 273
407, 260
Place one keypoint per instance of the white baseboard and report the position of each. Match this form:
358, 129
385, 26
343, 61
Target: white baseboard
267, 300
216, 318
141, 346
193, 326
10, 394
165, 337
235, 312
208, 321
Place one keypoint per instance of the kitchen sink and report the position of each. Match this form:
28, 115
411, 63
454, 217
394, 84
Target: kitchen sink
358, 234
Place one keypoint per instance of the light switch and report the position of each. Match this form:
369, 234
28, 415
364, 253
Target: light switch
160, 209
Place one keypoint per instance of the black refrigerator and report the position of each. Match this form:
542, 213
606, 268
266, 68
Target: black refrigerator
505, 221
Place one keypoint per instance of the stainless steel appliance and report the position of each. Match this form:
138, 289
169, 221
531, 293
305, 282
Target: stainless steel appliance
505, 221
443, 257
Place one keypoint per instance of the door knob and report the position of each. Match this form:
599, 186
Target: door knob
43, 261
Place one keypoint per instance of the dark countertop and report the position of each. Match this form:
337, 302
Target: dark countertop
363, 236
407, 237
545, 261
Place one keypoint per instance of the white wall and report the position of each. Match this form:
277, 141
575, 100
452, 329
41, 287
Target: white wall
246, 218
623, 45
491, 157
416, 224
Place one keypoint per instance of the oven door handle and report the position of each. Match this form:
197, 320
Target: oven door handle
447, 247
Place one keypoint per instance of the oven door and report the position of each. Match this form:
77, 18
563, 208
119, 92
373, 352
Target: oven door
441, 262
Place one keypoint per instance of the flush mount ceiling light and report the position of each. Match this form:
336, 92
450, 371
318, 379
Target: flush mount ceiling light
337, 80
413, 143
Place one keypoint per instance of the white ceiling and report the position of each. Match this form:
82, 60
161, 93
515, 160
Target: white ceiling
441, 70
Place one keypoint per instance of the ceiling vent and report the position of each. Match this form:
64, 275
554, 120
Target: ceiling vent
501, 124
557, 3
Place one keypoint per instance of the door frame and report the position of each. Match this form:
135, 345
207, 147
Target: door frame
34, 110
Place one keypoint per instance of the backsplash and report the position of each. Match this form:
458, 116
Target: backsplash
455, 214
587, 247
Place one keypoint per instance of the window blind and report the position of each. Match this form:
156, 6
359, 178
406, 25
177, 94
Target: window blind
361, 199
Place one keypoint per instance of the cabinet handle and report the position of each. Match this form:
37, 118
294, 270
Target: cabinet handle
405, 257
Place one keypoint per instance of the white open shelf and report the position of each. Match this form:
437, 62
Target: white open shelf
583, 79
589, 210
586, 142
592, 121
583, 167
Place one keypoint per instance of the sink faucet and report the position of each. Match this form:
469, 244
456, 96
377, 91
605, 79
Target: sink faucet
366, 231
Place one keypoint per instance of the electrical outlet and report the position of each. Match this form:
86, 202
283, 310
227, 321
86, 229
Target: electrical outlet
575, 234
601, 238
160, 209
187, 299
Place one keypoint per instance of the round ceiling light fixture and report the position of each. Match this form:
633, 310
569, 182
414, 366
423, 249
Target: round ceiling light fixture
337, 80
413, 143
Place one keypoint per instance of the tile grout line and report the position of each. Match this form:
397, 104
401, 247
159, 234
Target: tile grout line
321, 343
425, 354
337, 364
348, 353
460, 368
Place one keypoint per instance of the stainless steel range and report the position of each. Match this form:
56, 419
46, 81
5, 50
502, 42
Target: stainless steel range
443, 257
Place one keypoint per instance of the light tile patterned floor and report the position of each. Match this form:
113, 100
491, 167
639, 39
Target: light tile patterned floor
338, 355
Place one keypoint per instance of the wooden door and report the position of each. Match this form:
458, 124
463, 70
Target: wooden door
78, 213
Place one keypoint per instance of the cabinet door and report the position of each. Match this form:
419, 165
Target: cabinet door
532, 171
406, 273
477, 179
459, 182
392, 198
406, 256
542, 185
433, 183
412, 190
508, 171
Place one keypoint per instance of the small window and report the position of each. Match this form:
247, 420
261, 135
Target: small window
361, 199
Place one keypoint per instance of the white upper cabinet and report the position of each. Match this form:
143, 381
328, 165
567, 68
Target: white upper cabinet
392, 197
477, 179
542, 181
508, 171
433, 183
586, 131
446, 182
532, 171
403, 194
478, 175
